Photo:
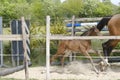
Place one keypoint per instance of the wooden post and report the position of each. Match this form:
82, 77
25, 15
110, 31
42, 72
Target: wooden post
1, 45
48, 48
72, 56
73, 27
25, 49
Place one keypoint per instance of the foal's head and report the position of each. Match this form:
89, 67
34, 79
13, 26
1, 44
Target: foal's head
92, 32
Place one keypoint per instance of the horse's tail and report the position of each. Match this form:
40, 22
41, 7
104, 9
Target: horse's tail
104, 21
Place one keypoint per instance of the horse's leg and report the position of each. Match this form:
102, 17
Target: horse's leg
89, 57
108, 47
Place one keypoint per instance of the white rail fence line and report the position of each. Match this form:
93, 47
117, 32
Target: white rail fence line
54, 37
85, 19
72, 25
12, 37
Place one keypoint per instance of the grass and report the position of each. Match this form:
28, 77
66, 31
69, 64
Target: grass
6, 31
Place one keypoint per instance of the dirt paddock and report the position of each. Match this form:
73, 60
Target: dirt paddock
72, 71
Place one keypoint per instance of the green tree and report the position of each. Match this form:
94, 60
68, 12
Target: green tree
89, 8
103, 9
72, 7
37, 13
15, 10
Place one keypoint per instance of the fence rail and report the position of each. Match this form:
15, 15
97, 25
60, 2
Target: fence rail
12, 37
56, 37
85, 19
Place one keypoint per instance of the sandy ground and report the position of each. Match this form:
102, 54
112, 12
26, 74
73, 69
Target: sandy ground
73, 71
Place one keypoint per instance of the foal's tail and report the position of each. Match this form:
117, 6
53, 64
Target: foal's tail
104, 21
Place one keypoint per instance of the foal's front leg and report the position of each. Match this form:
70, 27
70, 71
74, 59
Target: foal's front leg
103, 64
102, 58
88, 56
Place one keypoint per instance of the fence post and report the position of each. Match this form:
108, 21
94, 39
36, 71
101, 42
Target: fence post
72, 56
48, 48
25, 49
73, 27
1, 45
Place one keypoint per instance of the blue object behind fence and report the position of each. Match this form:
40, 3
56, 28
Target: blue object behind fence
76, 24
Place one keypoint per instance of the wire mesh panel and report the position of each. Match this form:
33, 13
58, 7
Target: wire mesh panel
17, 46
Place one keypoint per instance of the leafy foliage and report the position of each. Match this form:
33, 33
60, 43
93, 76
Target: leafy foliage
72, 7
58, 27
103, 9
36, 10
89, 8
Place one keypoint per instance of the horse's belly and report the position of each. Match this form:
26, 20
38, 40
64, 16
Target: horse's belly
114, 25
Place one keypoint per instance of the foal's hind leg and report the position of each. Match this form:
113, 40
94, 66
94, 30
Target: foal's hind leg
58, 54
88, 56
62, 61
66, 54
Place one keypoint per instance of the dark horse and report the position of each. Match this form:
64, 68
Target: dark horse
66, 47
113, 24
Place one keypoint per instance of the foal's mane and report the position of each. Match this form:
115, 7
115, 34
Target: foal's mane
86, 33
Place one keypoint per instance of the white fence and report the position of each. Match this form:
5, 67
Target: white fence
54, 37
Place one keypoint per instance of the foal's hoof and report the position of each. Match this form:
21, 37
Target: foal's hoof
97, 72
103, 66
108, 64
